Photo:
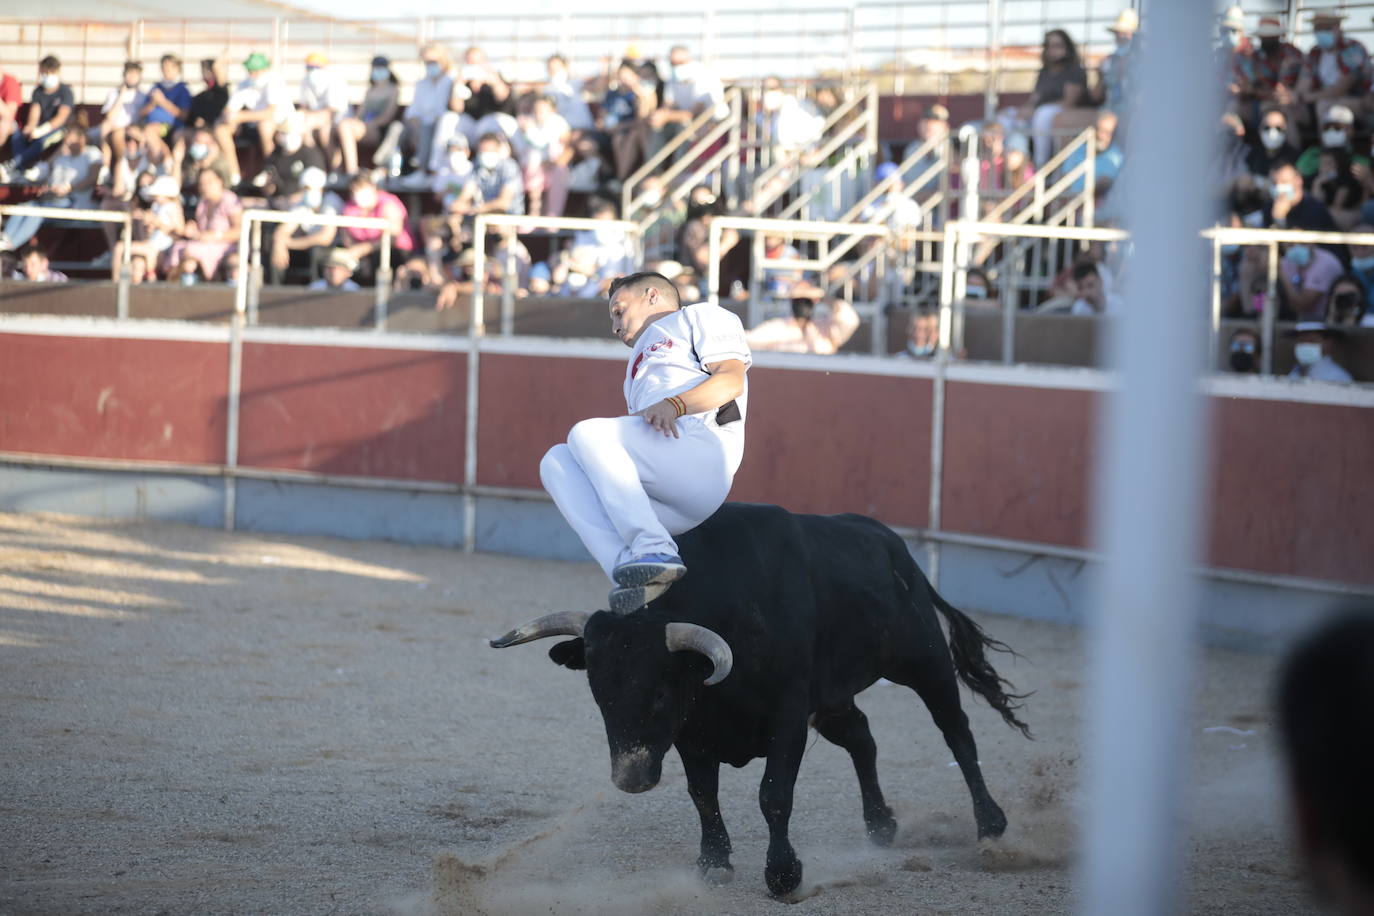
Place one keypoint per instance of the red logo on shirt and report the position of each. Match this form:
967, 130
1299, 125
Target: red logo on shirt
665, 342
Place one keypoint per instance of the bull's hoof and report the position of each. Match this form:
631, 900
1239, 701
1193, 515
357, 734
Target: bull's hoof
991, 823
882, 828
783, 879
717, 875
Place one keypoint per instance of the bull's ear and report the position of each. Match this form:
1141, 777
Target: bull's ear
571, 653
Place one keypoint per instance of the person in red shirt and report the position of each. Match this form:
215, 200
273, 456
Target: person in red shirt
10, 97
366, 199
1266, 75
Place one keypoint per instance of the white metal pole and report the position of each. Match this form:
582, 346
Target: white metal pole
476, 329
1149, 484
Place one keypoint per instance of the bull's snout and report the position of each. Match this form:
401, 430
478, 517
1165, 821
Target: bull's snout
635, 770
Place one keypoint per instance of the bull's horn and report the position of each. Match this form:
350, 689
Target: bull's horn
683, 637
566, 623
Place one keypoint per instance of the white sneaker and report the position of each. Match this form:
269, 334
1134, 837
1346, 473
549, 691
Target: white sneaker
388, 144
5, 243
35, 174
6, 176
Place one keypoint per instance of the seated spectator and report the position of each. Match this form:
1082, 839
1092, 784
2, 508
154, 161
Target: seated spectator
169, 102
1306, 273
567, 95
1345, 302
499, 186
1362, 263
366, 199
50, 108
1244, 348
692, 88
308, 239
922, 334
896, 208
259, 103
488, 105
457, 278
1272, 148
933, 127
781, 283
1335, 66
1324, 686
281, 174
1266, 78
786, 123
544, 148
624, 117
156, 228
665, 220
1293, 208
453, 181
375, 119
323, 103
1061, 84
71, 179
597, 256
139, 167
978, 288
1093, 297
122, 107
694, 239
1337, 131
200, 154
1312, 344
1108, 161
207, 106
11, 96
430, 100
1115, 85
1336, 186
204, 249
338, 273
804, 331
34, 267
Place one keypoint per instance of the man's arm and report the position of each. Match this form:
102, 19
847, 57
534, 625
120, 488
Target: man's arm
725, 384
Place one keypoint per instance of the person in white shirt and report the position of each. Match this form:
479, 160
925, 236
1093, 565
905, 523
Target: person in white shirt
338, 273
690, 89
431, 99
788, 124
568, 95
627, 484
313, 198
1312, 352
261, 101
1093, 296
543, 147
72, 175
121, 108
323, 101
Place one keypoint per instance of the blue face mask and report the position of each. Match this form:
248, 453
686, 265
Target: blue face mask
380, 74
432, 69
1300, 255
1326, 40
1363, 264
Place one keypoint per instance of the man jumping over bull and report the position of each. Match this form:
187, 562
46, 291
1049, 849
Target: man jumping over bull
627, 484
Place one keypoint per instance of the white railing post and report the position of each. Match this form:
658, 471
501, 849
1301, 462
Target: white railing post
1271, 310
1090, 181
253, 268
476, 329
383, 283
125, 268
1214, 326
713, 262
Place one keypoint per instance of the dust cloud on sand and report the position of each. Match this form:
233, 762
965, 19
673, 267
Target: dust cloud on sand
201, 722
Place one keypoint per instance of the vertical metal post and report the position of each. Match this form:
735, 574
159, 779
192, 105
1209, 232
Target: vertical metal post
713, 262
732, 140
479, 272
1271, 312
507, 289
383, 291
947, 270
756, 279
1090, 180
1214, 326
994, 60
476, 330
254, 266
1152, 459
125, 269
1008, 322
232, 402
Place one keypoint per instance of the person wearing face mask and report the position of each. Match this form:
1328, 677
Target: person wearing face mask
1293, 208
1306, 274
544, 147
568, 95
1243, 351
281, 176
1231, 45
323, 102
1267, 76
691, 89
121, 108
169, 101
603, 254
375, 123
51, 108
1345, 304
431, 99
1337, 129
1335, 66
71, 178
305, 243
922, 335
787, 123
1270, 148
259, 103
499, 184
200, 154
207, 106
366, 199
1312, 345
1362, 262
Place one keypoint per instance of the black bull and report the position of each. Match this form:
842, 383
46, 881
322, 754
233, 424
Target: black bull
801, 612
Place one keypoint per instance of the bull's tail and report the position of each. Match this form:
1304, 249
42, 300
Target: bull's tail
969, 644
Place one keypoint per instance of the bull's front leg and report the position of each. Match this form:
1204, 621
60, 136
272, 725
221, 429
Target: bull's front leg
784, 870
703, 782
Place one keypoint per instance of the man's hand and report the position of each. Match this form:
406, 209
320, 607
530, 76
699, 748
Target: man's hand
662, 416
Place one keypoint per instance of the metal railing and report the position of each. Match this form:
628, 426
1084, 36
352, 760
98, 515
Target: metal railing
695, 160
67, 214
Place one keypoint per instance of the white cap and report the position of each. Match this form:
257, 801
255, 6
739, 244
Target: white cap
314, 178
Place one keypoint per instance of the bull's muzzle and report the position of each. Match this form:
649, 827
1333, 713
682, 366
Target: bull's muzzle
636, 770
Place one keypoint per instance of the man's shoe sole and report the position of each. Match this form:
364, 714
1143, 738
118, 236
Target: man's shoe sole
626, 600
629, 575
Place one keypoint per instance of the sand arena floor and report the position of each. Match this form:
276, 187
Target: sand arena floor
201, 722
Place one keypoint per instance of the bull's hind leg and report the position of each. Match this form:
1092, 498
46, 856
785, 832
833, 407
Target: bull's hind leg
931, 675
848, 728
703, 784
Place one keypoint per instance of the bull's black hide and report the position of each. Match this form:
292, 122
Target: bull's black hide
813, 609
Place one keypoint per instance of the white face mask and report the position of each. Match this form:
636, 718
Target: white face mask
1272, 138
652, 198
1335, 137
772, 100
198, 151
314, 198
489, 159
291, 142
1307, 353
316, 78
51, 81
975, 292
458, 161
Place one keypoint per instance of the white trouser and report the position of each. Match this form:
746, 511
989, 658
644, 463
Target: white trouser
625, 488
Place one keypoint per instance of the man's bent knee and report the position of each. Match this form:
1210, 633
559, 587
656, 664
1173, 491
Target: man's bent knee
586, 435
554, 463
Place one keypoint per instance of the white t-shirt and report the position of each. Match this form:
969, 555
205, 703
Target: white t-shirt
691, 85
670, 353
430, 99
567, 96
123, 104
252, 96
322, 89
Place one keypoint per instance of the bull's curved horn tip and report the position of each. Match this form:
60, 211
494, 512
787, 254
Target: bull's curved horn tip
503, 642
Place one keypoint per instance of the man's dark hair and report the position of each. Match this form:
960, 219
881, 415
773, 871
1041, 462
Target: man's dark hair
1273, 109
49, 64
492, 136
803, 308
1325, 692
170, 59
602, 205
643, 280
30, 249
557, 57
1083, 267
133, 65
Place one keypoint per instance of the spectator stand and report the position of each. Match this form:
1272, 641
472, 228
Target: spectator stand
801, 186
821, 233
66, 214
706, 151
484, 223
1270, 239
248, 287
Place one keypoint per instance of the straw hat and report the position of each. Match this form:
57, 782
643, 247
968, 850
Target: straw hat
1127, 23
